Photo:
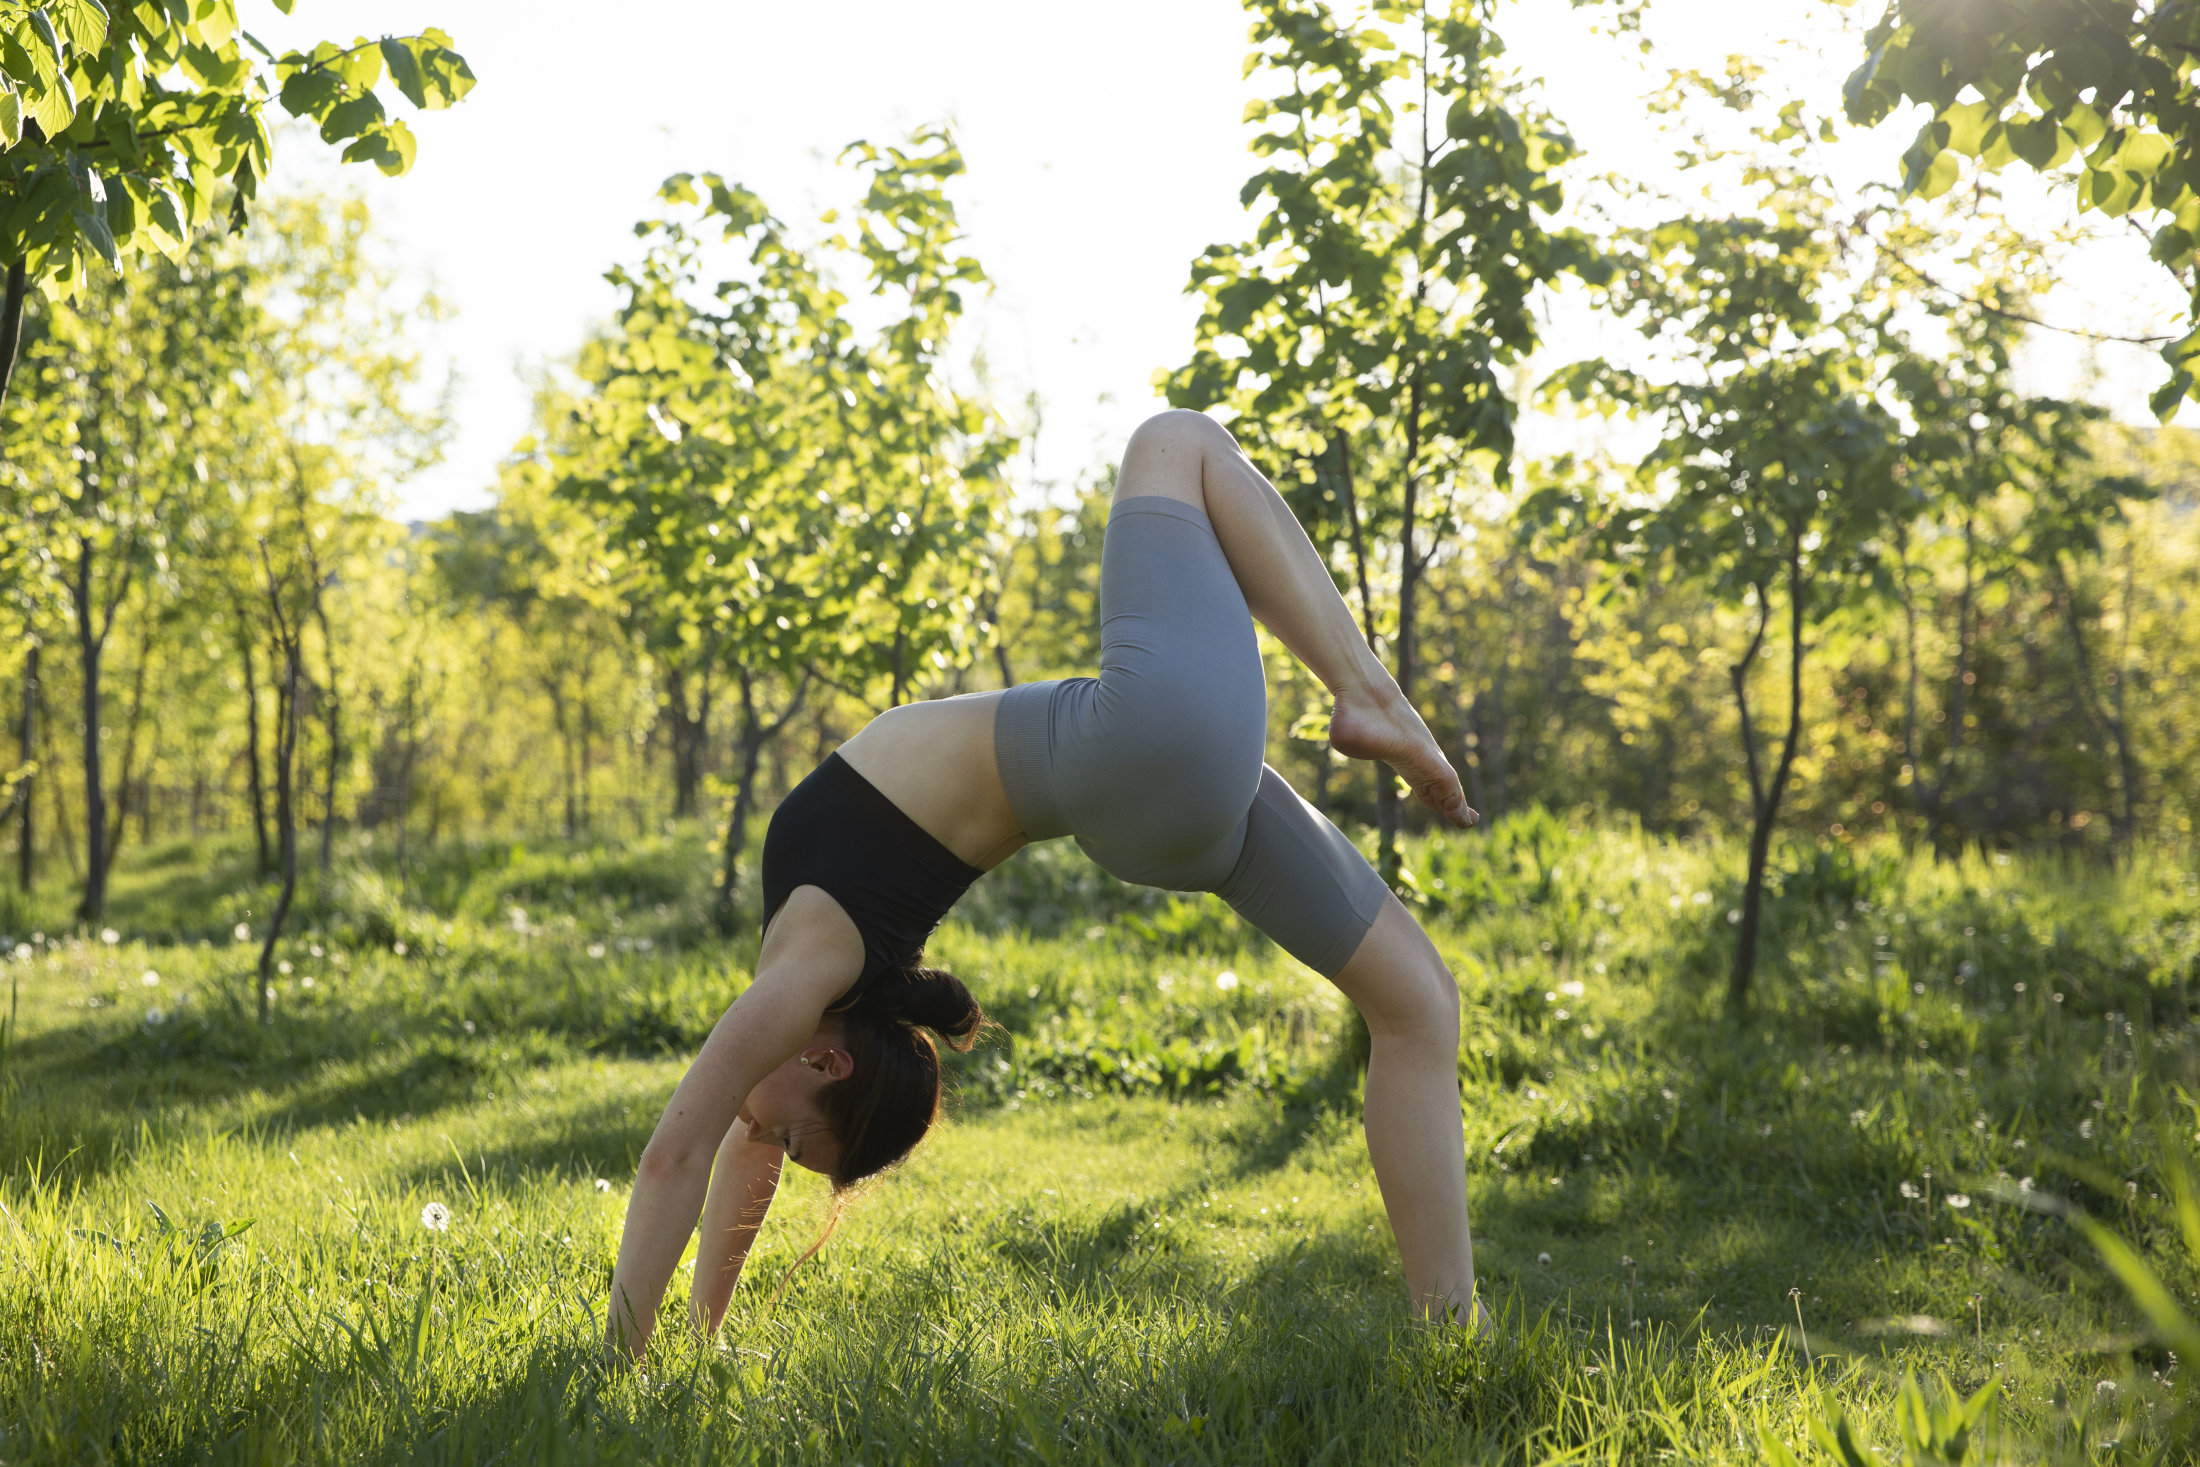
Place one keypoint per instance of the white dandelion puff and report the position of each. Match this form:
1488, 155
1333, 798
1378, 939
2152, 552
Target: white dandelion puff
436, 1218
242, 933
149, 978
1226, 980
1957, 1201
109, 936
1909, 1190
602, 1185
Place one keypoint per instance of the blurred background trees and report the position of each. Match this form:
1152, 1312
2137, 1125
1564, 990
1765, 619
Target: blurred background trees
1854, 582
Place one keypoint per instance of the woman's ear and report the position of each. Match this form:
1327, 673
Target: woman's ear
828, 1063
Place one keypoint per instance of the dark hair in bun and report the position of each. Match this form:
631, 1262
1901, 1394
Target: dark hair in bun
892, 1096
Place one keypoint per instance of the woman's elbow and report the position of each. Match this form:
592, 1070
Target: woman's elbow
668, 1160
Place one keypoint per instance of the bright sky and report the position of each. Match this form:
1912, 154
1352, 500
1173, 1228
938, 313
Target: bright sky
1104, 146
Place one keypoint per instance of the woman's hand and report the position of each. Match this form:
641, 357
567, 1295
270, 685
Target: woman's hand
742, 1185
811, 955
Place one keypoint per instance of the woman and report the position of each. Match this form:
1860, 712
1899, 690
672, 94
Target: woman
1155, 767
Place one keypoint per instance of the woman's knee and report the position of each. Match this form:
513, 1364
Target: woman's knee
1399, 983
1178, 431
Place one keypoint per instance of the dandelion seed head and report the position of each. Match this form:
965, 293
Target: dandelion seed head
436, 1218
242, 933
155, 1016
283, 967
602, 1185
1226, 980
1543, 1260
1909, 1190
149, 978
595, 949
109, 936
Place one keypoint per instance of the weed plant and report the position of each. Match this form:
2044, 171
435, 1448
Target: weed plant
1148, 1232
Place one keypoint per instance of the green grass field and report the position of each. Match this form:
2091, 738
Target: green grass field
1149, 1233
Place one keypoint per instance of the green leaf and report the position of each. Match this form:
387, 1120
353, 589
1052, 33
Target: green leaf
2143, 153
1966, 126
93, 229
311, 93
355, 116
404, 71
1462, 119
445, 77
2035, 139
1940, 176
43, 29
2085, 126
86, 23
389, 146
55, 107
2171, 395
216, 23
1995, 152
2171, 1323
11, 117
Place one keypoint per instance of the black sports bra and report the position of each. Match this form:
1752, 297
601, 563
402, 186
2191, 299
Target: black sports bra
836, 832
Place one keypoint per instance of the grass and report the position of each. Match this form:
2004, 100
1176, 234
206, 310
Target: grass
1149, 1233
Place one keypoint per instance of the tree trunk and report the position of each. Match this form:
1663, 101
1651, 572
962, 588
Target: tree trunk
1765, 799
332, 721
11, 323
554, 684
1388, 812
89, 646
265, 862
286, 747
286, 819
690, 731
1930, 797
754, 735
2109, 723
1386, 806
127, 781
26, 858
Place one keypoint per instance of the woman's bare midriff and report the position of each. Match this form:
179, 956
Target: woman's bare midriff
935, 762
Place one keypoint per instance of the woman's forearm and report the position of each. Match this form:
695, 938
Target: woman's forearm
742, 1185
668, 1196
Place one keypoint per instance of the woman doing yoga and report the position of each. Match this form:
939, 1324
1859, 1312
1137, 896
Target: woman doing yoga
1155, 767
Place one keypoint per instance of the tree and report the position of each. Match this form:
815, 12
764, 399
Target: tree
123, 131
1773, 480
134, 384
1356, 340
2048, 80
775, 492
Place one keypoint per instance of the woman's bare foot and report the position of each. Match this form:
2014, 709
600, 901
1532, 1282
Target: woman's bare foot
1385, 727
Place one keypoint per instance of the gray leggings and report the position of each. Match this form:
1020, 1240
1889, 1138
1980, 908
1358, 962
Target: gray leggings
1155, 765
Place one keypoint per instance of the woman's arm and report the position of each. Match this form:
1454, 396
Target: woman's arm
741, 1189
811, 955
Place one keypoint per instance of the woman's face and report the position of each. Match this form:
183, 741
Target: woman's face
783, 1109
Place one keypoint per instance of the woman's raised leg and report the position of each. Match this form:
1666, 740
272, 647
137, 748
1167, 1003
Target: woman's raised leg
1189, 456
1394, 977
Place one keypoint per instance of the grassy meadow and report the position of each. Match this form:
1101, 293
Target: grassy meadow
1149, 1232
